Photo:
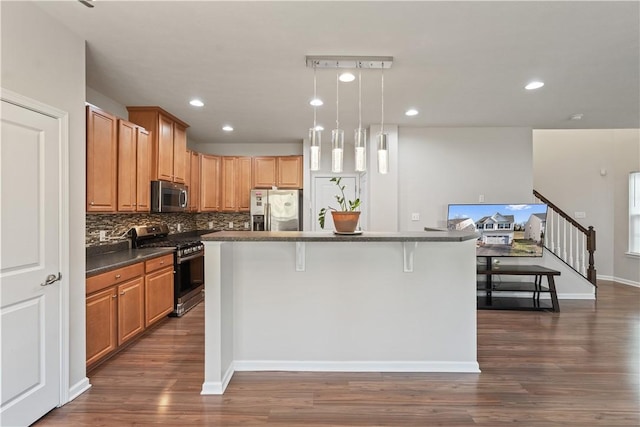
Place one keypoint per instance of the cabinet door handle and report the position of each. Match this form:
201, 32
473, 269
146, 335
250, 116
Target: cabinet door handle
114, 296
122, 293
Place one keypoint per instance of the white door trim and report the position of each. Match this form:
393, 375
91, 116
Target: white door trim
63, 127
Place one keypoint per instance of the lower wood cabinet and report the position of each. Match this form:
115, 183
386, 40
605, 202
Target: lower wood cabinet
130, 309
158, 302
122, 303
102, 324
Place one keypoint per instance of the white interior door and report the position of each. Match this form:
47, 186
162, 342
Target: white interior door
30, 251
324, 196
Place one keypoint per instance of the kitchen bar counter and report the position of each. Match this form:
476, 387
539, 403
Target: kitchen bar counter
108, 261
383, 302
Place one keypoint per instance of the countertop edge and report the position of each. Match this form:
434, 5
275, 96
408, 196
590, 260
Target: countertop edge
307, 236
113, 260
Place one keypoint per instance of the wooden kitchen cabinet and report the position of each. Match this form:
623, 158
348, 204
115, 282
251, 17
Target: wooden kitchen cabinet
143, 171
114, 310
235, 184
289, 172
279, 171
168, 142
102, 160
133, 168
159, 289
130, 309
194, 194
209, 183
102, 320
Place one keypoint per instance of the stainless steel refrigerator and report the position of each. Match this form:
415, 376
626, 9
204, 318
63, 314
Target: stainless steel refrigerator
276, 210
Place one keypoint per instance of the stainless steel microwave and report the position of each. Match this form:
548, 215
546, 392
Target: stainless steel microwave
168, 197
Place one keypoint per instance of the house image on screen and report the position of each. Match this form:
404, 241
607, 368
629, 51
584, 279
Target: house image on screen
534, 227
461, 224
496, 229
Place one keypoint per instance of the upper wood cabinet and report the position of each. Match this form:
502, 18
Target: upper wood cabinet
236, 184
143, 170
168, 142
279, 171
290, 172
102, 160
133, 168
194, 182
209, 183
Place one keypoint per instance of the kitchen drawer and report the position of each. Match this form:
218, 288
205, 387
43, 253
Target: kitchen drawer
113, 277
157, 263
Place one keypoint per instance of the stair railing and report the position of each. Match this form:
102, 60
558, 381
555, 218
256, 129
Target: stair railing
568, 240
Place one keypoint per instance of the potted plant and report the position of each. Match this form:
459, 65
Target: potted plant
346, 218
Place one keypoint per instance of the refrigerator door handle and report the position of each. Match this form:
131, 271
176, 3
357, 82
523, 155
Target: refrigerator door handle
267, 216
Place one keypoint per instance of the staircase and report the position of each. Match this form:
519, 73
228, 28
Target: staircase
569, 241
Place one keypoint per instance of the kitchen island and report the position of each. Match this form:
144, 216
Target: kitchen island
315, 301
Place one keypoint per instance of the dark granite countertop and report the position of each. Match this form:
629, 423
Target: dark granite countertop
107, 261
311, 236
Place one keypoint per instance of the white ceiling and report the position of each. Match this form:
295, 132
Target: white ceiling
458, 63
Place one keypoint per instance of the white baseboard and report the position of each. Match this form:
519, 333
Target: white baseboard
218, 387
620, 280
78, 388
355, 366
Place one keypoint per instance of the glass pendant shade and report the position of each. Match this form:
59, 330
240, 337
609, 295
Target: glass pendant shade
360, 142
337, 149
383, 153
314, 150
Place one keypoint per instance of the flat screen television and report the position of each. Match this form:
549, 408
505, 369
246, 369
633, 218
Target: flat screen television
509, 230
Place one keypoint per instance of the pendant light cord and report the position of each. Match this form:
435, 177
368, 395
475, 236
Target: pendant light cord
337, 99
315, 97
359, 99
382, 107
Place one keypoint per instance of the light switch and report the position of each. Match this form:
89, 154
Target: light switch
580, 214
415, 216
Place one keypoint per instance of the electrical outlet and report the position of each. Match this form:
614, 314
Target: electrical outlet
210, 225
103, 236
246, 225
415, 216
231, 224
481, 198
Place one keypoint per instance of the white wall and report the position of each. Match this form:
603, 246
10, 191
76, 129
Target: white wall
586, 171
107, 104
439, 166
45, 61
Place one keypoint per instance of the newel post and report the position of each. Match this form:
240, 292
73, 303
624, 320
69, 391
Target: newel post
591, 248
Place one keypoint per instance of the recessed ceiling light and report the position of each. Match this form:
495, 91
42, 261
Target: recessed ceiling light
196, 103
347, 77
316, 102
411, 112
577, 116
534, 85
320, 128
227, 128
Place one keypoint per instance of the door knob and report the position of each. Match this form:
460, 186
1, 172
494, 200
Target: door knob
52, 278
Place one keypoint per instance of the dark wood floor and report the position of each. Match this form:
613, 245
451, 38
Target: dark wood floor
579, 367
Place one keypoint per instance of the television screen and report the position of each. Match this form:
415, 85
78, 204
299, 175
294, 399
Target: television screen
503, 230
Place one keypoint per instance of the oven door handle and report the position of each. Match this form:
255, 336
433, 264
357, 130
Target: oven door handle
190, 257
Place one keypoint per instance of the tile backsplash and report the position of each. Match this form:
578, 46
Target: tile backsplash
116, 226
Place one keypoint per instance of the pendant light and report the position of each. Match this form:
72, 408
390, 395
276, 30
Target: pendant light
337, 135
383, 147
360, 135
314, 134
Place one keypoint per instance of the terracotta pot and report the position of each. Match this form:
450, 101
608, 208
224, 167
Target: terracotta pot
345, 221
